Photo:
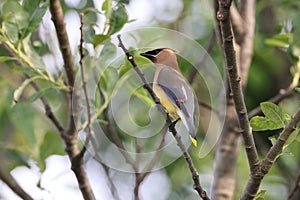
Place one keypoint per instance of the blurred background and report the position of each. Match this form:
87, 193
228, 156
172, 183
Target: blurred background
34, 153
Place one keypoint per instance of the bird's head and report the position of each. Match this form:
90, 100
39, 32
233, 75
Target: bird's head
164, 56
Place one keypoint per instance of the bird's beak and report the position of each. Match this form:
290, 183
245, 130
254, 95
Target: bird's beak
149, 56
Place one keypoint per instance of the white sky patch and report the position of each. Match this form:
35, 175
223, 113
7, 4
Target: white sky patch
150, 189
59, 180
73, 29
76, 3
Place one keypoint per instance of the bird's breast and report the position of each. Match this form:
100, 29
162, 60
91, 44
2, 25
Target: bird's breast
166, 102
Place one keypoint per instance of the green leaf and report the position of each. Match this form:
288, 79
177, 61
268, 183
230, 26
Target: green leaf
30, 5
10, 29
106, 5
124, 69
18, 92
51, 144
274, 112
99, 39
109, 51
118, 19
143, 95
279, 40
274, 118
109, 79
22, 116
276, 43
6, 58
140, 60
15, 19
15, 159
259, 123
39, 94
36, 13
260, 195
292, 138
124, 1
88, 34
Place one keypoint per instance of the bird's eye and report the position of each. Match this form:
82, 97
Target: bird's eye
156, 51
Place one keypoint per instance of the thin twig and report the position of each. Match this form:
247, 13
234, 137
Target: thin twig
85, 90
295, 187
153, 161
208, 49
116, 140
235, 83
195, 174
276, 99
10, 181
113, 188
247, 12
47, 108
140, 177
238, 25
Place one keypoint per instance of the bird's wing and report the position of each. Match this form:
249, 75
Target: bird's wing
177, 89
180, 94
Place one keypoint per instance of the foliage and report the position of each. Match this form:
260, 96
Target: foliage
27, 135
274, 118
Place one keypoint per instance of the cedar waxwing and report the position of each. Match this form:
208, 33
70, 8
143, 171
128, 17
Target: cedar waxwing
174, 93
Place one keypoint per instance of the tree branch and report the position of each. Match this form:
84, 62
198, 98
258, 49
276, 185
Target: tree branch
86, 94
235, 83
208, 49
247, 13
229, 142
195, 174
266, 164
62, 36
71, 134
47, 108
295, 187
237, 25
9, 180
276, 99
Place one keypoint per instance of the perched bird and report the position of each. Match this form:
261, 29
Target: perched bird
175, 94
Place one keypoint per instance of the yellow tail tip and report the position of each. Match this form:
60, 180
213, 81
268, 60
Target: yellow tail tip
194, 141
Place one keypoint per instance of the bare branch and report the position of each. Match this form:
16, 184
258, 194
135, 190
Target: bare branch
9, 180
238, 25
247, 13
195, 174
235, 83
295, 187
229, 142
85, 90
276, 99
71, 133
208, 49
141, 176
60, 27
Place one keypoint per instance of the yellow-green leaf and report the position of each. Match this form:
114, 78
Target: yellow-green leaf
275, 118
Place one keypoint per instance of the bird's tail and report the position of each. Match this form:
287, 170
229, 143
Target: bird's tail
194, 141
189, 124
